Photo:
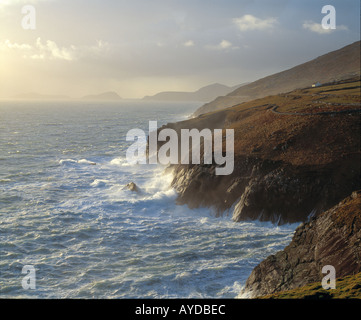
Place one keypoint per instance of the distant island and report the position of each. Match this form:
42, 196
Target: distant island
204, 94
108, 96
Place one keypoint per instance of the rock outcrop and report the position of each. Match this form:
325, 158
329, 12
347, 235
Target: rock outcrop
287, 167
132, 187
266, 190
296, 156
332, 238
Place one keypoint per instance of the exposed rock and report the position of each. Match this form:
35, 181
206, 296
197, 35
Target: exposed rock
265, 190
333, 238
132, 187
286, 167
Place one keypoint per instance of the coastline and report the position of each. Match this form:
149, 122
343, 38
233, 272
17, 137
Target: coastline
291, 169
331, 239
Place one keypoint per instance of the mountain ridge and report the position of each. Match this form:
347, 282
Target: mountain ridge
203, 94
332, 66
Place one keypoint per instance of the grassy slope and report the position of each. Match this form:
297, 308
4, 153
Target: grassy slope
339, 64
325, 147
348, 287
258, 130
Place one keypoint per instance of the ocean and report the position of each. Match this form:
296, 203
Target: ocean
64, 210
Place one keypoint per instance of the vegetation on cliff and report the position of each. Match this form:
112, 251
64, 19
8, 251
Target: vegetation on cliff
336, 65
348, 287
296, 154
296, 159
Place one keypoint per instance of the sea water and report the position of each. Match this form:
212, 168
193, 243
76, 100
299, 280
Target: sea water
64, 210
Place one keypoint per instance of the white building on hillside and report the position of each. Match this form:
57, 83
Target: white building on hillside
317, 84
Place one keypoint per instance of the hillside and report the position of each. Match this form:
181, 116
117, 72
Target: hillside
295, 155
336, 65
296, 159
204, 94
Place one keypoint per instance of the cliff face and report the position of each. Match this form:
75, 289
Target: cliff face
296, 156
333, 238
290, 163
339, 64
265, 190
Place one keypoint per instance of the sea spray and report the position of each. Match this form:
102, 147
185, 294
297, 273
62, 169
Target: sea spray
88, 236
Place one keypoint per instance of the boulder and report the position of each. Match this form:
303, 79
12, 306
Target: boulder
132, 187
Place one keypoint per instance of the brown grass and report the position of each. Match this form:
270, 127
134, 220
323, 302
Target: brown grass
348, 287
297, 139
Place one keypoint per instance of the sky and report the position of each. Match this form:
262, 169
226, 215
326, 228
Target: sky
142, 47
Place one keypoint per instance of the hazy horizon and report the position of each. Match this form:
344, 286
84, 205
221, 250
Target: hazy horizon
141, 48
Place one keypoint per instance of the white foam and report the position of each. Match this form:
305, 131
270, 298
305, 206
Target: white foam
120, 162
73, 161
159, 181
236, 288
134, 245
183, 275
85, 161
99, 183
67, 161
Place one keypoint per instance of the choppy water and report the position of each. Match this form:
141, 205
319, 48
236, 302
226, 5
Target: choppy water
86, 235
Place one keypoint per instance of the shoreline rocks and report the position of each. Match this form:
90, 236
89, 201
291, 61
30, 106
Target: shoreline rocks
332, 238
266, 190
287, 169
132, 187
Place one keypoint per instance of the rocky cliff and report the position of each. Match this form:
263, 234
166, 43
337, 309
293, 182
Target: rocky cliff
296, 156
289, 164
332, 238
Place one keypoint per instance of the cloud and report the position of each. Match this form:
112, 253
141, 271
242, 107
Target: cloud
317, 27
8, 45
224, 44
250, 22
189, 43
49, 50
